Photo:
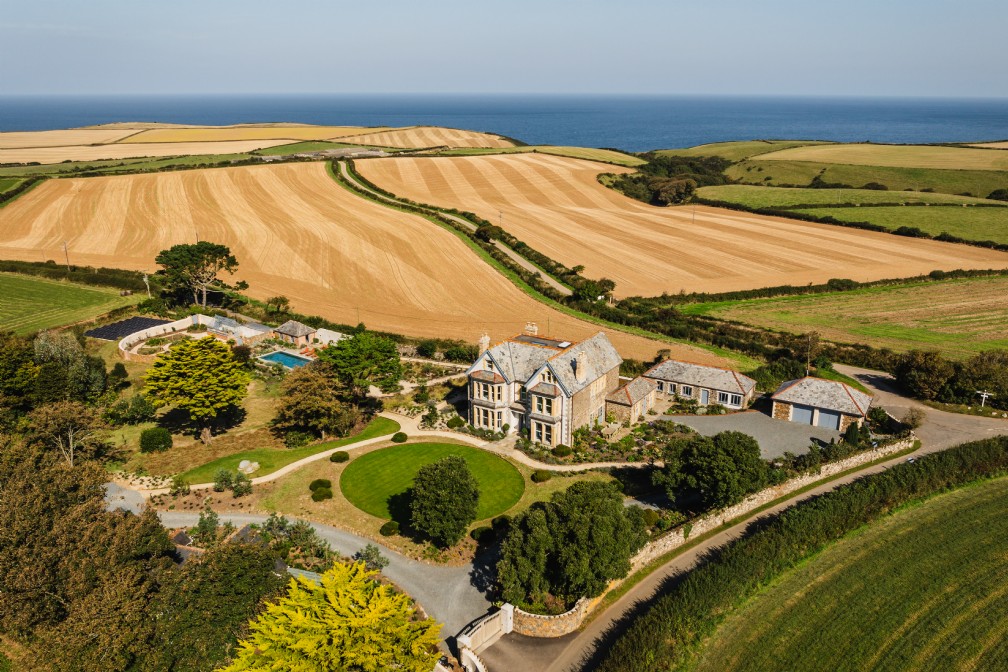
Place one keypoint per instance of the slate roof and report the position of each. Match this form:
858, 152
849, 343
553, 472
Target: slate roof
633, 391
294, 329
711, 377
546, 390
596, 354
828, 394
488, 376
517, 361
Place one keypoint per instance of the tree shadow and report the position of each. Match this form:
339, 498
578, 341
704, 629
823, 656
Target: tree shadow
399, 506
177, 421
483, 576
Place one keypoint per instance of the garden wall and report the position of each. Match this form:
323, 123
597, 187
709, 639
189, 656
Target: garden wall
136, 337
536, 625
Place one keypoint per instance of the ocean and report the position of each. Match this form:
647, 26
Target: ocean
632, 123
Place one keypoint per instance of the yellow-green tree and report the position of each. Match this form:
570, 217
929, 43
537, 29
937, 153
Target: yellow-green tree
346, 622
201, 377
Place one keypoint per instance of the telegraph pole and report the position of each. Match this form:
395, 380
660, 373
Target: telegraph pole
66, 254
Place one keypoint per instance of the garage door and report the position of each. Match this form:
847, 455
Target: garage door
802, 414
829, 419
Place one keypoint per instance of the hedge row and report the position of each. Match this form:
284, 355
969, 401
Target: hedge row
11, 194
87, 275
670, 633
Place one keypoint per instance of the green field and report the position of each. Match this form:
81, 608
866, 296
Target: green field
8, 183
587, 153
736, 151
970, 223
923, 589
800, 173
370, 480
271, 459
957, 317
113, 166
298, 147
783, 197
899, 156
28, 304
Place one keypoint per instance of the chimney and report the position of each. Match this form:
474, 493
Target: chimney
579, 367
531, 329
484, 343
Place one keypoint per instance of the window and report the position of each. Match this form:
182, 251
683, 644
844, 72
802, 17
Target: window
538, 431
686, 391
543, 405
489, 365
498, 425
661, 386
547, 376
547, 435
522, 393
671, 388
729, 399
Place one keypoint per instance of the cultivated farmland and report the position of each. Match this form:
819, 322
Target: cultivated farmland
736, 151
28, 304
556, 205
239, 133
957, 317
72, 136
900, 156
783, 197
967, 223
588, 153
428, 136
296, 233
128, 151
924, 589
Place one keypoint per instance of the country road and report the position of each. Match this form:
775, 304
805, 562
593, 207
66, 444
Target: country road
584, 649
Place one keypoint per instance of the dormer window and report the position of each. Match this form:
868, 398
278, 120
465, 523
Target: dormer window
548, 376
489, 365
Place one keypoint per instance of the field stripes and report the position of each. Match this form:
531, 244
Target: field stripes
28, 304
909, 156
428, 136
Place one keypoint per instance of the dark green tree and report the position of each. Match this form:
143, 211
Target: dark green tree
445, 499
313, 400
924, 374
714, 472
195, 267
363, 360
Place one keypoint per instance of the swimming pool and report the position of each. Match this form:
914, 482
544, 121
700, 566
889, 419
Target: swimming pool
288, 359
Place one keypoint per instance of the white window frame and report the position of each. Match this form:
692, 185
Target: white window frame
686, 391
547, 434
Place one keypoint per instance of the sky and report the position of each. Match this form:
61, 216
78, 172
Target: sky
941, 48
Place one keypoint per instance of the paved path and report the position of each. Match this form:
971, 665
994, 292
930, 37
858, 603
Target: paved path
939, 431
518, 259
774, 436
447, 594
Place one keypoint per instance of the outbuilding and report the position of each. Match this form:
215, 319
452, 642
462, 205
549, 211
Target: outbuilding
705, 384
632, 400
295, 333
824, 403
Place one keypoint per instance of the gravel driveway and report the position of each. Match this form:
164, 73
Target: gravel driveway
775, 437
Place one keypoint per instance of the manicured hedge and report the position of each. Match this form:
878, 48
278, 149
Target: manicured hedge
541, 475
389, 529
667, 636
340, 456
320, 483
399, 437
155, 440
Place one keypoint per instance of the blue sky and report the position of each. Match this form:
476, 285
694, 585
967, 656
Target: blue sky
785, 47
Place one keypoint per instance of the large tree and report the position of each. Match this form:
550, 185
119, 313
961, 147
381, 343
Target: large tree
713, 472
195, 267
313, 400
346, 621
18, 371
570, 547
924, 374
73, 429
445, 499
201, 377
363, 360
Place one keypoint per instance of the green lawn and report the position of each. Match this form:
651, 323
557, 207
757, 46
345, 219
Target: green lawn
956, 317
924, 589
738, 150
783, 197
970, 223
28, 304
271, 459
800, 173
370, 480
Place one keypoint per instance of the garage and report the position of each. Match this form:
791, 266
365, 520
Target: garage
829, 419
802, 414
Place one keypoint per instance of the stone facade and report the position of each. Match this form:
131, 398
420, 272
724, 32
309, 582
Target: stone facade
590, 402
781, 411
536, 625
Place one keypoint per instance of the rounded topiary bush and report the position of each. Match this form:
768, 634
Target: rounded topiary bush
155, 440
320, 494
399, 437
340, 456
541, 475
562, 450
389, 529
483, 535
455, 422
651, 517
320, 483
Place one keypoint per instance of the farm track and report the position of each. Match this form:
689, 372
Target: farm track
557, 206
296, 233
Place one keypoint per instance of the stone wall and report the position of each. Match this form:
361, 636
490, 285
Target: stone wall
536, 625
704, 524
781, 411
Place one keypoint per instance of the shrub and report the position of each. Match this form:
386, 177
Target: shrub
320, 483
321, 494
372, 558
501, 522
155, 440
427, 349
562, 450
651, 517
340, 456
399, 437
914, 418
223, 480
179, 486
297, 439
998, 195
389, 529
455, 422
483, 535
541, 475
241, 485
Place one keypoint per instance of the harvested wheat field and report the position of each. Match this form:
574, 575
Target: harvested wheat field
992, 145
556, 205
73, 136
429, 136
299, 234
246, 132
130, 151
899, 156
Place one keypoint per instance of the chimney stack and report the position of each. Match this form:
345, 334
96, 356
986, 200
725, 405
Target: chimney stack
579, 367
484, 343
531, 329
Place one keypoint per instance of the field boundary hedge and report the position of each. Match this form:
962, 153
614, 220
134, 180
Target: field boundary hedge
670, 633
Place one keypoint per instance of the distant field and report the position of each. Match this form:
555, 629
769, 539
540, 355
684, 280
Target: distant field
556, 205
429, 136
898, 156
245, 133
970, 223
28, 304
736, 151
923, 589
800, 173
128, 150
992, 145
298, 147
8, 183
957, 317
783, 197
73, 136
587, 153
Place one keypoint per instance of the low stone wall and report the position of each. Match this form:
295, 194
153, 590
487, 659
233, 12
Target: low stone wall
127, 343
536, 625
711, 521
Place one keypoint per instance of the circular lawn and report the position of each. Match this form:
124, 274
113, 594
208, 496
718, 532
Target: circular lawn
374, 481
